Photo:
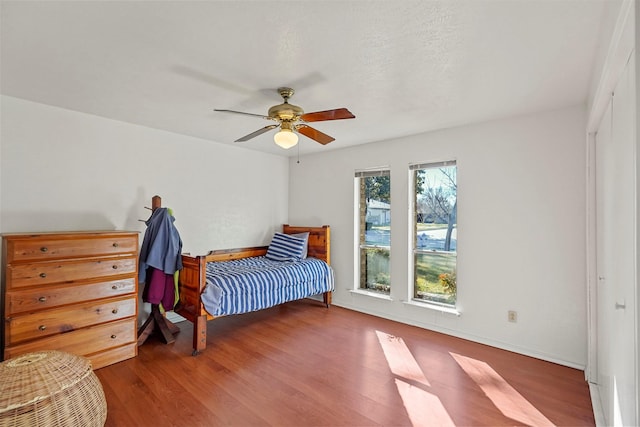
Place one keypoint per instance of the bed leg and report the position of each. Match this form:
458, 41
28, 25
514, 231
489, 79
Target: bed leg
326, 298
199, 335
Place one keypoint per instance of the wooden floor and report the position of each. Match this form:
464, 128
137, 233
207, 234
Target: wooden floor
301, 364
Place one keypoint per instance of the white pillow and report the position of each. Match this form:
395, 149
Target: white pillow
304, 236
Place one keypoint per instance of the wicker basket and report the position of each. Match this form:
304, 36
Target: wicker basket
50, 388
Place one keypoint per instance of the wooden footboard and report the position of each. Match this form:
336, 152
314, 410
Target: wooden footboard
192, 279
191, 283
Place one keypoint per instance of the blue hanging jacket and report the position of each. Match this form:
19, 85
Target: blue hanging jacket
161, 247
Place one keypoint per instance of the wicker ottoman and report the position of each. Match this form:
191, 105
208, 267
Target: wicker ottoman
50, 388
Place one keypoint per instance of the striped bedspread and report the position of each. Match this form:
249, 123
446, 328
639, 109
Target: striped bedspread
251, 284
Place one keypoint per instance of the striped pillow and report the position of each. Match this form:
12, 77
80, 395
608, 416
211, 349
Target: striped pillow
285, 247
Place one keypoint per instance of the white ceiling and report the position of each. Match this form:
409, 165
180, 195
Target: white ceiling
402, 67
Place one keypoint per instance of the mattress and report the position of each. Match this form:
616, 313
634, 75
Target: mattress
250, 284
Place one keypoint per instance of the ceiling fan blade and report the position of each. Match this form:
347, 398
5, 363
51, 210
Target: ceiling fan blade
242, 112
256, 133
319, 116
314, 134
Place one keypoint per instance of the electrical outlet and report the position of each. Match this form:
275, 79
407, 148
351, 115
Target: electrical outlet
512, 316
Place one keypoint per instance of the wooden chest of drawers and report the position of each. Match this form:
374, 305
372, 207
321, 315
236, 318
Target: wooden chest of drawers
75, 292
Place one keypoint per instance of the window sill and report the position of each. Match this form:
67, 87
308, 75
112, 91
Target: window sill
371, 294
448, 310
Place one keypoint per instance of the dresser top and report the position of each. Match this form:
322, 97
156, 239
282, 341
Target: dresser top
68, 234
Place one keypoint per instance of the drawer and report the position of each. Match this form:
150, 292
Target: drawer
45, 273
69, 318
83, 341
113, 355
29, 299
43, 247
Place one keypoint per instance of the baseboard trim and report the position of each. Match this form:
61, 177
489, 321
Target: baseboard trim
596, 403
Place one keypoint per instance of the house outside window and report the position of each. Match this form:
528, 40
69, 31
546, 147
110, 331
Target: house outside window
373, 219
434, 235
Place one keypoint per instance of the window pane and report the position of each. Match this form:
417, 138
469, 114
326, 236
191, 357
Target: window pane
435, 230
435, 277
376, 198
376, 275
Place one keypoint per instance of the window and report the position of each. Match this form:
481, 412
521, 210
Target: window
374, 230
435, 217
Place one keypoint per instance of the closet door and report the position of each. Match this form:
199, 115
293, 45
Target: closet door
604, 253
616, 222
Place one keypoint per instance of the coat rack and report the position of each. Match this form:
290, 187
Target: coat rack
156, 320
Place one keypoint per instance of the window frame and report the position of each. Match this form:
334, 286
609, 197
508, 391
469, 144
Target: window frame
360, 278
412, 231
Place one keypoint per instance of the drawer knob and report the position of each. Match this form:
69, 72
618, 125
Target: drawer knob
42, 327
42, 299
115, 267
114, 311
113, 337
44, 249
115, 245
43, 275
114, 287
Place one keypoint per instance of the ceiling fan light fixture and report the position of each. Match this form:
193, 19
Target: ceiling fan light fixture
292, 120
286, 138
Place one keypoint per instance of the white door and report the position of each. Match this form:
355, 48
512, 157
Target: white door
616, 196
604, 253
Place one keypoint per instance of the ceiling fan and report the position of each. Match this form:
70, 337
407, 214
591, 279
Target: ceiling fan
292, 119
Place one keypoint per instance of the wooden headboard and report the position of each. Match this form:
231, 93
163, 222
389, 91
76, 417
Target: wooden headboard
318, 247
319, 240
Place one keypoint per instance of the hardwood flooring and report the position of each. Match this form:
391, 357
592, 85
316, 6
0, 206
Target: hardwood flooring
300, 364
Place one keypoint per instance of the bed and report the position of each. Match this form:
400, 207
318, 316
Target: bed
195, 282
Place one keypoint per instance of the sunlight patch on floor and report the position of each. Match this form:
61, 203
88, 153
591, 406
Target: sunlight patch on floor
400, 359
422, 407
506, 398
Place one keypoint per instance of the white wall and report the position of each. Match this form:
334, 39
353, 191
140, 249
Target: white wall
63, 170
521, 229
